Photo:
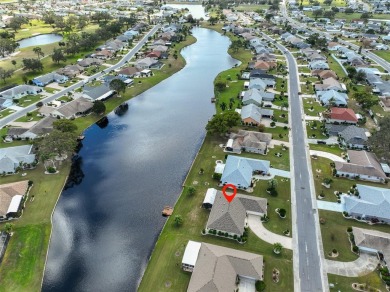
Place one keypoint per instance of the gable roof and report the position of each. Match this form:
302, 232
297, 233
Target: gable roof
251, 111
217, 268
361, 163
8, 191
239, 170
354, 135
79, 105
250, 139
373, 202
373, 239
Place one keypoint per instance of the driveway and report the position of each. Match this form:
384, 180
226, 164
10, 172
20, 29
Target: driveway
246, 285
327, 155
279, 172
364, 265
261, 232
330, 206
329, 141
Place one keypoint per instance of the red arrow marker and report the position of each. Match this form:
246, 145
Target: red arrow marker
229, 197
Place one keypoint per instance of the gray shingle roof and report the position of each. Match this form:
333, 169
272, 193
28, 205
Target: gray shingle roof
354, 135
373, 239
230, 217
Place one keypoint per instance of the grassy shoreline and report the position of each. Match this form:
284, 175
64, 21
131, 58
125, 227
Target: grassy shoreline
23, 264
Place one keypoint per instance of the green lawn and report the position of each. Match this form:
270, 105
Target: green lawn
339, 184
23, 263
33, 117
334, 234
312, 107
336, 67
344, 283
383, 54
29, 99
334, 3
316, 132
165, 261
352, 16
334, 149
251, 7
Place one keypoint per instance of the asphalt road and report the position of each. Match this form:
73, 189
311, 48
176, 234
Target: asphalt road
368, 54
307, 255
127, 57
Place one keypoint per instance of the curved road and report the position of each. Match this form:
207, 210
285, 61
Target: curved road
309, 275
127, 57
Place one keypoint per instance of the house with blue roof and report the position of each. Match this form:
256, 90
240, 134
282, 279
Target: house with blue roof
239, 171
332, 97
49, 78
371, 204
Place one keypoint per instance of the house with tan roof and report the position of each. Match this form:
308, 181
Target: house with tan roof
324, 74
248, 141
341, 115
230, 219
362, 165
77, 107
222, 269
373, 242
11, 196
330, 84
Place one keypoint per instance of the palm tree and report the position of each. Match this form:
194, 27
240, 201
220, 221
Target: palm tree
272, 184
223, 106
38, 51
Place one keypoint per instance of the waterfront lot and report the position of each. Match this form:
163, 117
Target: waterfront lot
165, 263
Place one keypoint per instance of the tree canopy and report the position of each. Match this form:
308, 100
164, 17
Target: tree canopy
222, 123
64, 125
379, 141
32, 64
57, 143
118, 85
98, 107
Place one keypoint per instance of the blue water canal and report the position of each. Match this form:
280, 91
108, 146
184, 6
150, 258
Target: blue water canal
106, 226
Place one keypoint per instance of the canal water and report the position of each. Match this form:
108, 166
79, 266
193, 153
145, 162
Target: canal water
130, 167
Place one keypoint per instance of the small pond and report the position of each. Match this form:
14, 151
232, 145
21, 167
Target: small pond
39, 40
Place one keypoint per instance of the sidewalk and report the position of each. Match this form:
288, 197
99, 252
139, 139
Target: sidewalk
364, 265
257, 227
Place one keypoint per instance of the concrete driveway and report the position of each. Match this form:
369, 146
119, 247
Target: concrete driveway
327, 155
364, 265
258, 228
330, 206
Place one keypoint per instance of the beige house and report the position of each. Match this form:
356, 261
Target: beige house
11, 196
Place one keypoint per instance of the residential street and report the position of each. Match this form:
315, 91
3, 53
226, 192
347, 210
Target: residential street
306, 233
127, 57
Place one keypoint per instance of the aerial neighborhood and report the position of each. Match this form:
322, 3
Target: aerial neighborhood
290, 186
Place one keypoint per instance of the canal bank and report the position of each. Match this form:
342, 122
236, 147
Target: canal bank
132, 168
23, 265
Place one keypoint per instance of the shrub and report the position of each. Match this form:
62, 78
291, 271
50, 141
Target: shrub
355, 249
334, 250
30, 183
260, 286
51, 169
349, 229
217, 176
272, 124
282, 213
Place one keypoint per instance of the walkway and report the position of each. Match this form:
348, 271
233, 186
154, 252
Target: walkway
329, 206
327, 155
257, 227
364, 265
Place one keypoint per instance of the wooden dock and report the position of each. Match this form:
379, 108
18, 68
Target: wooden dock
167, 211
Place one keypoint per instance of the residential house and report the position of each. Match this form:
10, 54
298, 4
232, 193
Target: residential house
264, 65
20, 91
103, 54
239, 171
71, 70
13, 157
129, 72
217, 268
101, 92
332, 97
73, 109
41, 128
349, 135
318, 65
341, 115
248, 141
373, 242
231, 217
370, 203
49, 78
11, 195
89, 62
146, 63
257, 73
363, 165
255, 96
330, 84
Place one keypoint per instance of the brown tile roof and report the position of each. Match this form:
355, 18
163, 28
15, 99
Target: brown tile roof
344, 114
